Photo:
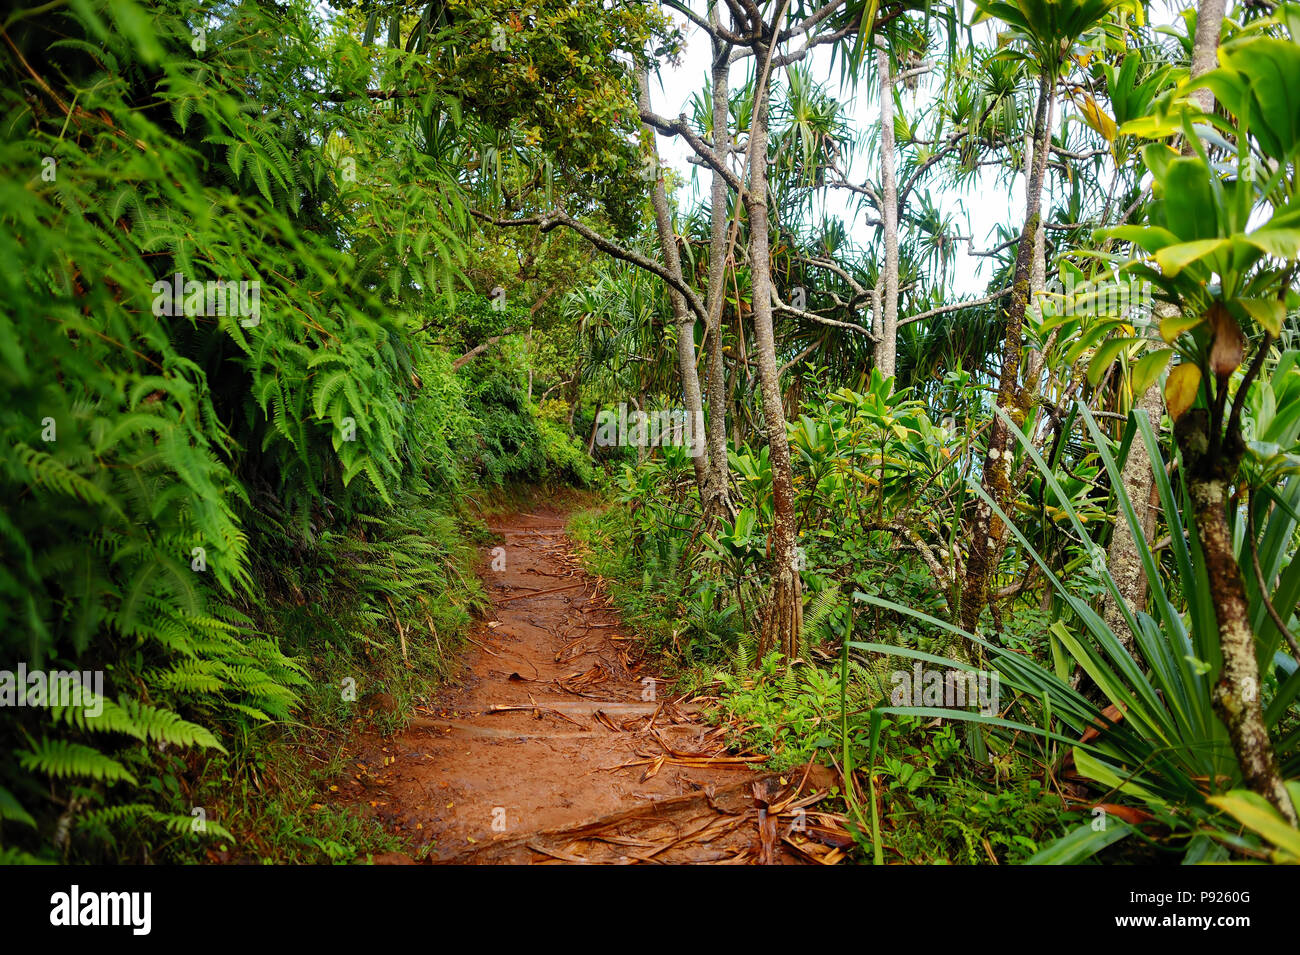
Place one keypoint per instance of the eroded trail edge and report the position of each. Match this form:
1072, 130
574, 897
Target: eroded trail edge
557, 745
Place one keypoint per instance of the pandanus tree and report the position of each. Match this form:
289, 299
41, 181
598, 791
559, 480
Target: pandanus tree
782, 621
1221, 247
618, 319
1100, 186
1043, 33
770, 37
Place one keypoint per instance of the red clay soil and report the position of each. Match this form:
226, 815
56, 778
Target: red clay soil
557, 745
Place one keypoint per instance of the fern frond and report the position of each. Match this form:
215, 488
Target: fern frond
63, 759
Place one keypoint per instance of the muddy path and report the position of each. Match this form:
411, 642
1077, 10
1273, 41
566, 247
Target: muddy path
558, 744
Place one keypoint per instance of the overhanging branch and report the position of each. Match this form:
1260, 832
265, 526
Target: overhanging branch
551, 220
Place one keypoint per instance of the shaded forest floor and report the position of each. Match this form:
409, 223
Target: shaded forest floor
557, 743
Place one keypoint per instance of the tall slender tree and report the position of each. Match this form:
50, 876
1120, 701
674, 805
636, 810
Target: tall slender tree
887, 346
1048, 31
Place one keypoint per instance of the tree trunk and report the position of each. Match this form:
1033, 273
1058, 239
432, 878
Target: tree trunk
1138, 477
887, 347
782, 621
877, 320
1209, 24
1236, 695
683, 317
1122, 557
717, 498
1038, 271
591, 438
987, 529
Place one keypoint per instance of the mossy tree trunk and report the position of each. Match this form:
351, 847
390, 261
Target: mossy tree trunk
1210, 472
986, 527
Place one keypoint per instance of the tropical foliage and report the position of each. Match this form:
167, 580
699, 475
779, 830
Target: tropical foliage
984, 319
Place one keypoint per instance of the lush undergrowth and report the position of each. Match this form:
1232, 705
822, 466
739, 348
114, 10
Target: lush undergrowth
937, 805
1035, 738
375, 614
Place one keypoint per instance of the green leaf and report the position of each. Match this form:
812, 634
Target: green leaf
62, 759
1150, 127
1269, 312
1148, 368
12, 810
1270, 68
1255, 813
1148, 238
1105, 357
1174, 325
1190, 209
1277, 242
1096, 770
1083, 843
1174, 258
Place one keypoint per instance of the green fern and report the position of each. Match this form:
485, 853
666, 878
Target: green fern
12, 810
62, 759
108, 819
817, 615
128, 440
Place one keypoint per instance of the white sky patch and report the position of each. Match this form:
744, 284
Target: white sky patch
992, 199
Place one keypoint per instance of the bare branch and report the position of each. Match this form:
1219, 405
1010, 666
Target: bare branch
954, 307
802, 27
1079, 157
479, 349
819, 40
819, 319
550, 220
971, 250
797, 358
716, 31
859, 291
680, 127
942, 573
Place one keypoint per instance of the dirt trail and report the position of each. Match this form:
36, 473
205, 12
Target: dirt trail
556, 745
